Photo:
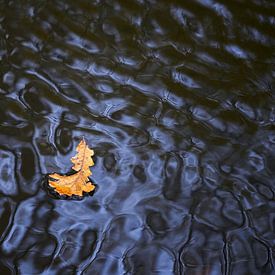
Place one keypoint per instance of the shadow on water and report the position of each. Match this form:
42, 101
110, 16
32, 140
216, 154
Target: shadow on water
177, 100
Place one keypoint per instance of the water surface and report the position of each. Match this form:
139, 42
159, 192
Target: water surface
177, 100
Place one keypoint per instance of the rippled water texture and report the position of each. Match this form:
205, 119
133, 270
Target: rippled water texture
177, 100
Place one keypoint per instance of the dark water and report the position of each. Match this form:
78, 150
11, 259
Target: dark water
177, 100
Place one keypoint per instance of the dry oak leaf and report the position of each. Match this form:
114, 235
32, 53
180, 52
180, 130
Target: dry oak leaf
79, 182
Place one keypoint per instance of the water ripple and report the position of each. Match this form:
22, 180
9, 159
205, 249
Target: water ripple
176, 99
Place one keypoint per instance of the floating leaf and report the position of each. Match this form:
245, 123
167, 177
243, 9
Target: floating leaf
78, 182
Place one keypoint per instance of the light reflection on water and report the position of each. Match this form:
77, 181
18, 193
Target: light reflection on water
176, 99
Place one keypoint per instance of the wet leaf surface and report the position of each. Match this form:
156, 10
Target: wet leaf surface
78, 182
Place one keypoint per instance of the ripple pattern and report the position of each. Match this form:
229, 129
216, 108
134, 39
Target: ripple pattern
177, 100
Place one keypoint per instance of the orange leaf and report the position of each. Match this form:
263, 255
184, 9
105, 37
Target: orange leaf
79, 182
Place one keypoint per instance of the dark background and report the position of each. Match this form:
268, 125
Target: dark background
177, 100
